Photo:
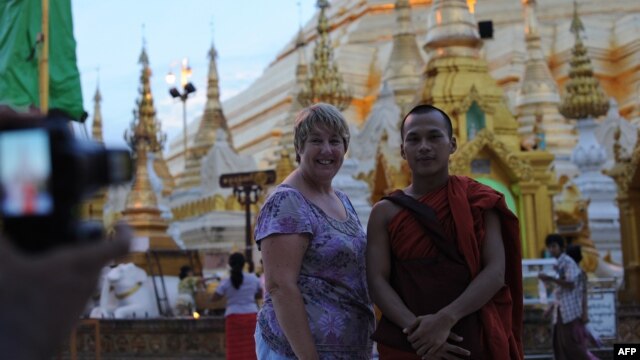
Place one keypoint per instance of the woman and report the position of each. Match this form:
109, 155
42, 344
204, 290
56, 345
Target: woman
241, 290
317, 304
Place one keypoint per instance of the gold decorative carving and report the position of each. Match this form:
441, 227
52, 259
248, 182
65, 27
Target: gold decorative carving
473, 96
461, 160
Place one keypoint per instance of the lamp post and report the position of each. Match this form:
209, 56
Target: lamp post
188, 88
248, 195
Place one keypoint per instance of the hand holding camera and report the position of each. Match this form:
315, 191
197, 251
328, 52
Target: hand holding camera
44, 175
48, 270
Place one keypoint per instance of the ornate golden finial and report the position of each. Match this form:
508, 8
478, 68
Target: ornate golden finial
583, 96
576, 23
452, 30
326, 84
96, 126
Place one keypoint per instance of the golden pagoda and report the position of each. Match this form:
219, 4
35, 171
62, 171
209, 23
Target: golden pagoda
404, 69
583, 96
538, 100
626, 173
212, 120
458, 81
362, 33
325, 84
144, 137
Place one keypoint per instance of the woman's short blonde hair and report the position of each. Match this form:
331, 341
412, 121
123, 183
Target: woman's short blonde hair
315, 116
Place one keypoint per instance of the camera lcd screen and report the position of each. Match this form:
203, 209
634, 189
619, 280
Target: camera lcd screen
25, 173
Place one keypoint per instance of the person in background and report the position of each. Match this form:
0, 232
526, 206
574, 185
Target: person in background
443, 257
241, 290
313, 249
575, 252
187, 287
570, 303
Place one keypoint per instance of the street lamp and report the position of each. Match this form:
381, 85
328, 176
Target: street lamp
188, 88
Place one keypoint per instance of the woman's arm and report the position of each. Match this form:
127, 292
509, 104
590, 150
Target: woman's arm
282, 257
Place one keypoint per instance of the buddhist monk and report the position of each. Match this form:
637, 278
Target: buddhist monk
443, 257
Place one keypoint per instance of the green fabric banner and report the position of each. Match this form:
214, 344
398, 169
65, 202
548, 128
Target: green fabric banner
20, 24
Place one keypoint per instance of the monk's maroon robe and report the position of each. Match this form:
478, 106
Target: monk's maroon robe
460, 206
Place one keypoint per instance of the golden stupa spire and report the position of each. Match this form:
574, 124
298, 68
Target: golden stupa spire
538, 100
144, 138
212, 120
403, 72
213, 80
326, 84
96, 126
452, 30
583, 96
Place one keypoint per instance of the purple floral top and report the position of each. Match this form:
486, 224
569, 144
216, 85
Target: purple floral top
332, 278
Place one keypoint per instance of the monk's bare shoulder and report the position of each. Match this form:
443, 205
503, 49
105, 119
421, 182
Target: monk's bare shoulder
383, 211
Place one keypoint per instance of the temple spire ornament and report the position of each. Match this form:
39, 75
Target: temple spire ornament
584, 101
145, 139
583, 97
326, 84
96, 126
212, 120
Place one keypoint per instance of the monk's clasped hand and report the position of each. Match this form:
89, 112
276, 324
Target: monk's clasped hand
428, 333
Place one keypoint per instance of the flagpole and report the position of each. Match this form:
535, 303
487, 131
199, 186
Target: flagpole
44, 60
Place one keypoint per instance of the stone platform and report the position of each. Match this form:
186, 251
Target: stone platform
204, 338
147, 339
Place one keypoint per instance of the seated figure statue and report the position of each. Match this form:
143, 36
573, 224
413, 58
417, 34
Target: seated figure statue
128, 293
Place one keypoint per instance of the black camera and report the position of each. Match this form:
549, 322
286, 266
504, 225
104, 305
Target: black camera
45, 173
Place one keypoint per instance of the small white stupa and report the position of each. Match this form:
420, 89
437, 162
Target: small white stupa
604, 216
